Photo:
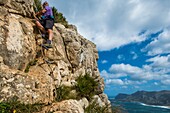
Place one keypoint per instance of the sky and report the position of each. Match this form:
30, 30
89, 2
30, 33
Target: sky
132, 38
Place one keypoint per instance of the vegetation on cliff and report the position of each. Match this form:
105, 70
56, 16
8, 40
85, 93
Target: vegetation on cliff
86, 87
15, 106
94, 107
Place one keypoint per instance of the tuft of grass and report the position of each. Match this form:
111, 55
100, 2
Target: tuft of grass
37, 5
64, 93
14, 106
59, 18
39, 54
32, 63
86, 86
95, 108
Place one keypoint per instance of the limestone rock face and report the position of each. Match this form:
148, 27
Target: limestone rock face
17, 41
32, 73
67, 106
21, 7
84, 102
27, 88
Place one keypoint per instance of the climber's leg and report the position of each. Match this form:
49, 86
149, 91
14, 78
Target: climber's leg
40, 26
49, 23
50, 34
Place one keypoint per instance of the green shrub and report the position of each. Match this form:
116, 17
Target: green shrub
86, 86
64, 93
32, 63
59, 18
37, 5
95, 108
13, 106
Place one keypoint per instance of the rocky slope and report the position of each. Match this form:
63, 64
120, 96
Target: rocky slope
32, 73
152, 98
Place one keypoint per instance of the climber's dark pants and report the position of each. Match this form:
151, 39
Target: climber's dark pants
47, 23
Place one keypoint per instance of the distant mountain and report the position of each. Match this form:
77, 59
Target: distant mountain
151, 98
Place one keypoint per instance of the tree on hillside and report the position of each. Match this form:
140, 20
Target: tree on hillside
59, 18
37, 5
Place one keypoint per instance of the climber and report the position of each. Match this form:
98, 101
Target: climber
46, 23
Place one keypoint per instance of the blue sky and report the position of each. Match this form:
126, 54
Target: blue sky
132, 37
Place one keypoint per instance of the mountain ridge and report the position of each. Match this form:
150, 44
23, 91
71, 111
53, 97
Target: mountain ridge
148, 97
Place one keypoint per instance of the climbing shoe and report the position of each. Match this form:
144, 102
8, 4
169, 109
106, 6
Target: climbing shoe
47, 46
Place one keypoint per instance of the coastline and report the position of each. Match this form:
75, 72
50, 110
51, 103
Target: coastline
138, 107
143, 104
165, 107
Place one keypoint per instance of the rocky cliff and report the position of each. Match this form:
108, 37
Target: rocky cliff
151, 98
31, 73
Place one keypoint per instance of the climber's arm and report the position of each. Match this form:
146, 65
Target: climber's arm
40, 12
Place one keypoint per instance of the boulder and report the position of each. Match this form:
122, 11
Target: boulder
67, 106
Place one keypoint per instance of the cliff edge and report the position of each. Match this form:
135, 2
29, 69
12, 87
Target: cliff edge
31, 73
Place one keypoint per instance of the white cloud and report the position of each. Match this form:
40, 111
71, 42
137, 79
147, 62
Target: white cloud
166, 82
104, 61
156, 83
135, 56
124, 82
136, 74
160, 45
124, 68
160, 65
113, 23
115, 81
160, 61
107, 75
121, 57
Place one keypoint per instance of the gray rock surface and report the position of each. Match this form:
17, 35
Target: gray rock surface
21, 7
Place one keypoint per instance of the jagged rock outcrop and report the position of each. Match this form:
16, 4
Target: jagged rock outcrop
68, 106
31, 73
21, 7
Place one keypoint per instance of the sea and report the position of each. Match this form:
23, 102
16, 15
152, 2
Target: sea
136, 107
